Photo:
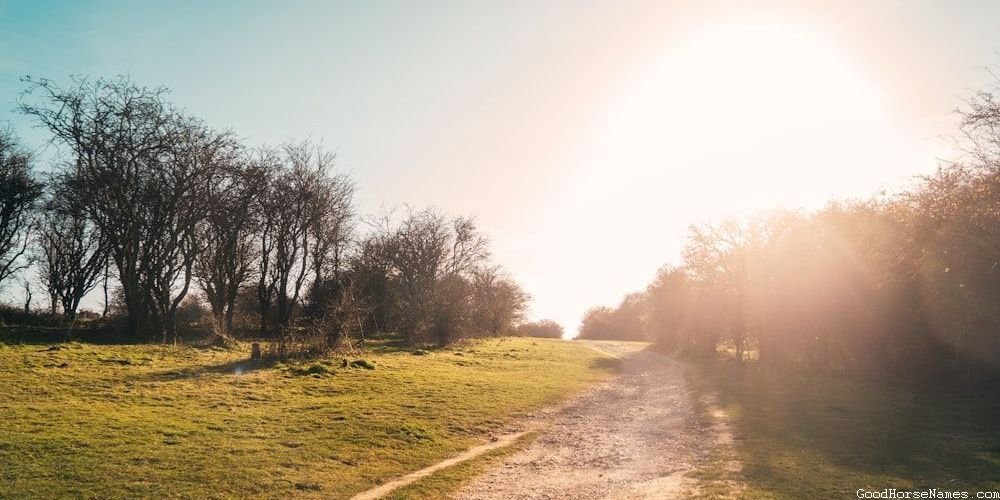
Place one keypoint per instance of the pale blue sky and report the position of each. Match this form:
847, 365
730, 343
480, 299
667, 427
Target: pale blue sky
551, 121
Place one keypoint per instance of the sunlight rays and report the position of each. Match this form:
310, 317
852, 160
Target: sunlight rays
737, 115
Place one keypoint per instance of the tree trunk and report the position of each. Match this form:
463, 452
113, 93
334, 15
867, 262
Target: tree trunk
107, 303
263, 318
230, 310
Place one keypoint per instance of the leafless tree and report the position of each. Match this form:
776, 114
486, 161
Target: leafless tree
226, 260
331, 237
373, 271
28, 293
267, 163
19, 193
422, 243
139, 171
545, 328
305, 225
332, 224
343, 317
293, 205
179, 204
433, 261
498, 301
73, 258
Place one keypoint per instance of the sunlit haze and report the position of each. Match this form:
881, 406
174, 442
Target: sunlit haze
576, 133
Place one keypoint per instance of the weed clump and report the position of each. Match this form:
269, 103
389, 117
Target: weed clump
363, 363
316, 369
306, 486
116, 360
412, 433
224, 342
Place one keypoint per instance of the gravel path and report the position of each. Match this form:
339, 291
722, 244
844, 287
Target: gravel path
632, 437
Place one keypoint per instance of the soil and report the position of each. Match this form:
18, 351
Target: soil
635, 436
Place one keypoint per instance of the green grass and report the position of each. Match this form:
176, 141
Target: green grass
825, 438
159, 421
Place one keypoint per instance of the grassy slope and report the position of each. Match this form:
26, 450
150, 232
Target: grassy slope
826, 438
128, 421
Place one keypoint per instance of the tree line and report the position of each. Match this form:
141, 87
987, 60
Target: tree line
897, 286
161, 211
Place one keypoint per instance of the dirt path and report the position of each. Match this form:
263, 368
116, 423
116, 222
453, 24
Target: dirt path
471, 453
632, 437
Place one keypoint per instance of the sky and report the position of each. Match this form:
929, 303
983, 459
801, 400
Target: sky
585, 137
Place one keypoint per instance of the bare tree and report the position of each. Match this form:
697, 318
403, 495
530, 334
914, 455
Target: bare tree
139, 171
116, 132
373, 271
179, 206
498, 301
422, 243
268, 167
291, 204
73, 258
545, 328
433, 261
305, 212
331, 234
226, 260
332, 223
26, 285
344, 317
19, 192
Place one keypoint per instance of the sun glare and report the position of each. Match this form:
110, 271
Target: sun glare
328, 249
732, 117
754, 113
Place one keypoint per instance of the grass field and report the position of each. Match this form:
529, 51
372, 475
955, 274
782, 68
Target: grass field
826, 438
81, 420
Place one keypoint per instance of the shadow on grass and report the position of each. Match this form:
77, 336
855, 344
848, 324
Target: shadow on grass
613, 365
394, 344
44, 335
388, 345
301, 364
100, 334
815, 436
238, 367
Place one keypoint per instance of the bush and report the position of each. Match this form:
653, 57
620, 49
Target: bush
545, 328
17, 316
